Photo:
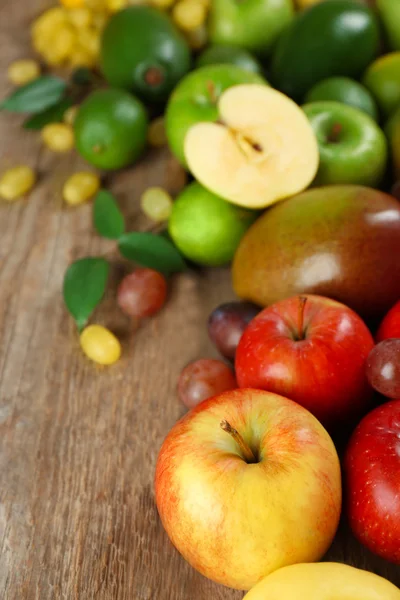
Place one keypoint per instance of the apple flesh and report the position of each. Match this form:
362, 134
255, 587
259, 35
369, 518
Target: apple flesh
312, 350
372, 467
390, 326
261, 150
236, 517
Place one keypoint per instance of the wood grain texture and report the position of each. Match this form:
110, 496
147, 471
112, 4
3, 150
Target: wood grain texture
78, 444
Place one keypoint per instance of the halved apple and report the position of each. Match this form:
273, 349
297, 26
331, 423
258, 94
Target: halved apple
261, 150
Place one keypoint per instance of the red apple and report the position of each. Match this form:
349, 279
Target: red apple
310, 349
390, 326
372, 468
248, 482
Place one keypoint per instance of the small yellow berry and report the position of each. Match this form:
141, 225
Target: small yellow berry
197, 38
50, 19
100, 20
16, 182
157, 136
189, 14
89, 41
163, 4
116, 5
72, 3
97, 5
81, 58
61, 45
22, 72
100, 345
70, 115
80, 187
156, 204
80, 17
58, 137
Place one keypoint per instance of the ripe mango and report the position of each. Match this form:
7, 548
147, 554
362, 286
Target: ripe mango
338, 241
323, 581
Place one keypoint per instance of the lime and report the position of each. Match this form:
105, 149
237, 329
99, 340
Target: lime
344, 90
206, 228
111, 129
142, 51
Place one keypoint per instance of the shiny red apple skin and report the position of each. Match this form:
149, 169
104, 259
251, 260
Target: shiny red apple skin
325, 372
236, 522
390, 326
372, 474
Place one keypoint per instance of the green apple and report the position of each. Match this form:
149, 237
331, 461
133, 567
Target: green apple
353, 149
392, 131
206, 228
344, 90
389, 11
234, 55
195, 100
251, 24
382, 78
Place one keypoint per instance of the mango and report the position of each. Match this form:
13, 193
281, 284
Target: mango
340, 241
323, 581
382, 79
320, 42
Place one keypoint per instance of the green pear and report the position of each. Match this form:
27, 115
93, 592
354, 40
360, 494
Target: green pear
338, 241
251, 24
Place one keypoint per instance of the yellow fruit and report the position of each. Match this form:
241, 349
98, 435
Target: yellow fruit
58, 137
89, 41
81, 58
80, 17
100, 345
156, 135
72, 3
24, 71
80, 187
45, 26
99, 21
60, 45
116, 5
70, 115
156, 204
16, 182
163, 4
323, 581
189, 14
96, 5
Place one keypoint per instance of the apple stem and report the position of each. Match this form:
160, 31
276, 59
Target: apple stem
245, 448
336, 130
300, 316
211, 91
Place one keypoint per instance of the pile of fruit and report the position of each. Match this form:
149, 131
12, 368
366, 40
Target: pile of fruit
287, 118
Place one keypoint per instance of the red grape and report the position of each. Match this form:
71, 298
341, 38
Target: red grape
383, 368
204, 378
227, 323
142, 293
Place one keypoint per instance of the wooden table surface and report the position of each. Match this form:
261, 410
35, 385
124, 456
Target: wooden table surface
78, 444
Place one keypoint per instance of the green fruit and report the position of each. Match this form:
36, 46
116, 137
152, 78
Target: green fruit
143, 52
336, 37
339, 241
389, 11
216, 55
346, 91
251, 24
205, 228
195, 99
392, 131
382, 78
352, 148
111, 129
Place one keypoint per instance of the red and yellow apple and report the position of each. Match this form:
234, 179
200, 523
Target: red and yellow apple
246, 483
313, 350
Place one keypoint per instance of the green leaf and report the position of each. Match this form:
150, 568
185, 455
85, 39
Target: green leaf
35, 96
54, 114
108, 219
151, 250
84, 285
